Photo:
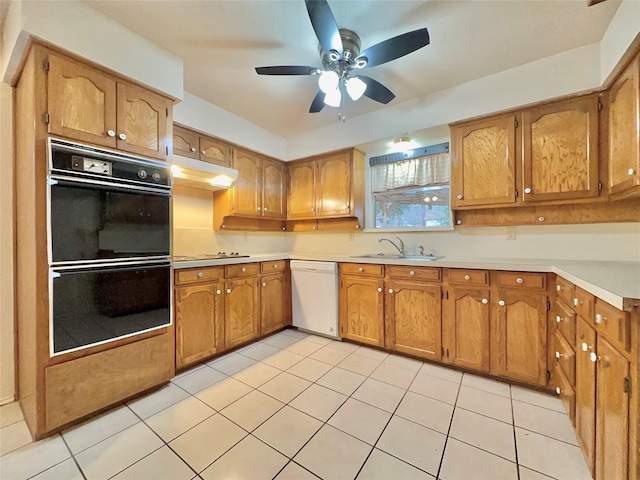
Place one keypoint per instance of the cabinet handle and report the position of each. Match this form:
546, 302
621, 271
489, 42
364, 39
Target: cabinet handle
228, 290
313, 209
458, 222
203, 152
558, 390
193, 149
599, 318
527, 190
558, 318
519, 280
111, 133
218, 292
200, 274
243, 269
593, 357
264, 209
558, 288
315, 228
412, 273
460, 196
576, 302
558, 354
541, 219
275, 266
379, 290
631, 171
501, 303
264, 284
122, 136
391, 290
467, 277
258, 208
485, 301
360, 269
585, 347
346, 207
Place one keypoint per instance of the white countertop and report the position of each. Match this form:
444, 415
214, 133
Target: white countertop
617, 283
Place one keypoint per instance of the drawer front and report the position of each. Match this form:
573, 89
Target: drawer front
614, 324
241, 270
273, 267
566, 322
566, 392
197, 275
418, 273
522, 279
565, 290
468, 277
583, 304
565, 357
362, 269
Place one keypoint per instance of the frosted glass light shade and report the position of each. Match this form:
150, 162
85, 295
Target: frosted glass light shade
355, 88
333, 98
328, 81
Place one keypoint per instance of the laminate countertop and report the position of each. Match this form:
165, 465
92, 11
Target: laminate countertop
617, 283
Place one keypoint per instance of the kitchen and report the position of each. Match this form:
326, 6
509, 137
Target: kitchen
193, 217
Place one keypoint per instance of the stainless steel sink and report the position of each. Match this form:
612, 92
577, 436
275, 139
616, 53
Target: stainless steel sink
423, 258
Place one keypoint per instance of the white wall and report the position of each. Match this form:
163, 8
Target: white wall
623, 31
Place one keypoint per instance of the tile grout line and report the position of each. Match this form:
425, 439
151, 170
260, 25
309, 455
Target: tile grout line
446, 440
515, 439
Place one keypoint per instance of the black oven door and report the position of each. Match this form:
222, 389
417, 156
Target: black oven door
93, 221
94, 305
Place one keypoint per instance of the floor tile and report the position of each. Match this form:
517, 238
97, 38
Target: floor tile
285, 387
223, 393
551, 457
207, 441
97, 429
293, 471
283, 359
288, 430
252, 409
359, 364
379, 394
361, 420
232, 364
319, 402
544, 421
426, 411
188, 371
293, 332
280, 340
441, 372
67, 470
413, 443
342, 381
404, 362
162, 464
485, 403
552, 402
435, 387
178, 418
303, 347
462, 462
382, 466
199, 380
319, 339
344, 346
259, 351
310, 369
10, 413
329, 355
527, 474
257, 374
118, 452
483, 432
34, 458
332, 454
249, 459
487, 385
159, 400
14, 436
371, 353
394, 375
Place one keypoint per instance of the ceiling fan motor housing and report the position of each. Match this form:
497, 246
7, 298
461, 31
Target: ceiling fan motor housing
350, 51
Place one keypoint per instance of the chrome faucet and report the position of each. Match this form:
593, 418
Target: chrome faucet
400, 248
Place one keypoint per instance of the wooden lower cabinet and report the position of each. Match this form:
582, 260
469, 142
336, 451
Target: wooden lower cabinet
585, 390
274, 293
241, 311
361, 310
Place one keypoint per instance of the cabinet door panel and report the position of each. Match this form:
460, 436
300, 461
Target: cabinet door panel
273, 194
361, 309
585, 390
247, 189
214, 151
272, 303
333, 186
81, 102
241, 311
185, 142
467, 329
301, 195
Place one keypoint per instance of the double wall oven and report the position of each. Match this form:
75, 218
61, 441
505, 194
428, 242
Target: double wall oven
109, 240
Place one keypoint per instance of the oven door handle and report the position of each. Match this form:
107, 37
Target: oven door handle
102, 268
61, 179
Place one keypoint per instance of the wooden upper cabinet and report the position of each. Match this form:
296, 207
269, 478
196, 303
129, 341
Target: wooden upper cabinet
81, 102
247, 189
301, 195
185, 142
361, 312
560, 150
483, 162
333, 186
273, 188
624, 130
215, 151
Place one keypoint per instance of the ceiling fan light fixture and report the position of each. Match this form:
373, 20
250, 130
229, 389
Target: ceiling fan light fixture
333, 98
402, 143
328, 81
355, 88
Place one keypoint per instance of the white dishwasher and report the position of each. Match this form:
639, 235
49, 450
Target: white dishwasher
314, 292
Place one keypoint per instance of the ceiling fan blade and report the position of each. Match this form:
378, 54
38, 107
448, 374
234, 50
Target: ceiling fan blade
376, 91
325, 26
395, 47
318, 103
286, 70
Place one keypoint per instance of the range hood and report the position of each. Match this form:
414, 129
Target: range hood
192, 173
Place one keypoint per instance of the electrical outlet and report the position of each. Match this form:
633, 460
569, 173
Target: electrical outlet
351, 236
511, 233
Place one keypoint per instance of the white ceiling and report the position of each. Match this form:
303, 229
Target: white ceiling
221, 42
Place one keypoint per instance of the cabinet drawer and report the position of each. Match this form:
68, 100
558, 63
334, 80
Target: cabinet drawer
521, 279
273, 267
565, 290
362, 269
196, 275
241, 270
468, 277
566, 322
566, 392
614, 324
418, 273
583, 303
565, 357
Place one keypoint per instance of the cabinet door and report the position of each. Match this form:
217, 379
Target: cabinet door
466, 328
242, 312
142, 121
624, 130
273, 313
81, 102
414, 318
519, 336
273, 189
483, 163
247, 189
333, 189
185, 142
199, 311
612, 422
215, 151
585, 390
361, 309
560, 148
301, 193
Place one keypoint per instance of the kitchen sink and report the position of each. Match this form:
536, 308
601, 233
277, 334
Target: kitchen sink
424, 258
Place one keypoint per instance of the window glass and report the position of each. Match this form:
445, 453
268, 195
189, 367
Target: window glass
413, 207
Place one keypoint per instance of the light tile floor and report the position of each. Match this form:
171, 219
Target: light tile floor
297, 406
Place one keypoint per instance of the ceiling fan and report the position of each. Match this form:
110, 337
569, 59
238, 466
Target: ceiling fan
342, 60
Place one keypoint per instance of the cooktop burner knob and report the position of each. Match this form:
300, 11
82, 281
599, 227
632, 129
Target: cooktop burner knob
142, 173
156, 176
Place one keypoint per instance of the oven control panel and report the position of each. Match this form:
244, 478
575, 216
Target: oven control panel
91, 165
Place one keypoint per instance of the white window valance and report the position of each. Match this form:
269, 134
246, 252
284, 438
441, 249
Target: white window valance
422, 171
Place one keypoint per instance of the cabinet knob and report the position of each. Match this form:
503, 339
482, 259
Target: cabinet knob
200, 274
218, 292
412, 273
122, 136
501, 303
275, 265
346, 207
558, 288
264, 284
193, 149
203, 152
558, 390
584, 346
458, 222
258, 208
631, 171
391, 290
519, 280
243, 269
228, 290
593, 357
111, 133
558, 354
313, 209
264, 209
558, 318
485, 301
315, 228
379, 290
541, 219
460, 197
576, 302
527, 190
467, 277
599, 318
360, 269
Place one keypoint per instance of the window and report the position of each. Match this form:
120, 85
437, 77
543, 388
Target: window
412, 192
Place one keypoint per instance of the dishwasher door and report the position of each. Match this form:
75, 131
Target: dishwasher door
314, 296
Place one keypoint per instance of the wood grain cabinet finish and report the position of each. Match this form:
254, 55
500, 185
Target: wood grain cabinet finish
275, 309
192, 144
247, 189
274, 181
333, 187
215, 151
361, 309
301, 194
586, 391
186, 142
241, 311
